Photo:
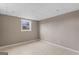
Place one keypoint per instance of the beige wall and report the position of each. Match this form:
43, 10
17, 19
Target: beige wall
0, 30
63, 30
11, 30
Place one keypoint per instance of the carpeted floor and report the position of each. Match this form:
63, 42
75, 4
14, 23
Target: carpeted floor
37, 48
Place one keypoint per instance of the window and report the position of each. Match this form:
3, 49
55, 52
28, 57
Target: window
25, 25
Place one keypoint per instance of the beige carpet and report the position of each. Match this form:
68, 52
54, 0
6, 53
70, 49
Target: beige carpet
37, 48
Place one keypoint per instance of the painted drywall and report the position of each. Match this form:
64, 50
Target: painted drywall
0, 30
62, 30
11, 31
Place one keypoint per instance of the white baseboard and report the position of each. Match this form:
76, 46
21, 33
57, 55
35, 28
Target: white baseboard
16, 44
53, 44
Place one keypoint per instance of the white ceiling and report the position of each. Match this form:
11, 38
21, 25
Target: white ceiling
37, 11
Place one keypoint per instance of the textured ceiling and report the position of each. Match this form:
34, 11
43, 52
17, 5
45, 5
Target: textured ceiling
37, 11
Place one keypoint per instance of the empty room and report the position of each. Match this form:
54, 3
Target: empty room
39, 28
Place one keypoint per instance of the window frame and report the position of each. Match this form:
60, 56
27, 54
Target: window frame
23, 30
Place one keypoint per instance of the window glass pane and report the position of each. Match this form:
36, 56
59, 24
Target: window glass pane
25, 25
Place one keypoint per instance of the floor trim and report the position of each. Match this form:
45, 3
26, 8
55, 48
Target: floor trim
75, 51
20, 43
